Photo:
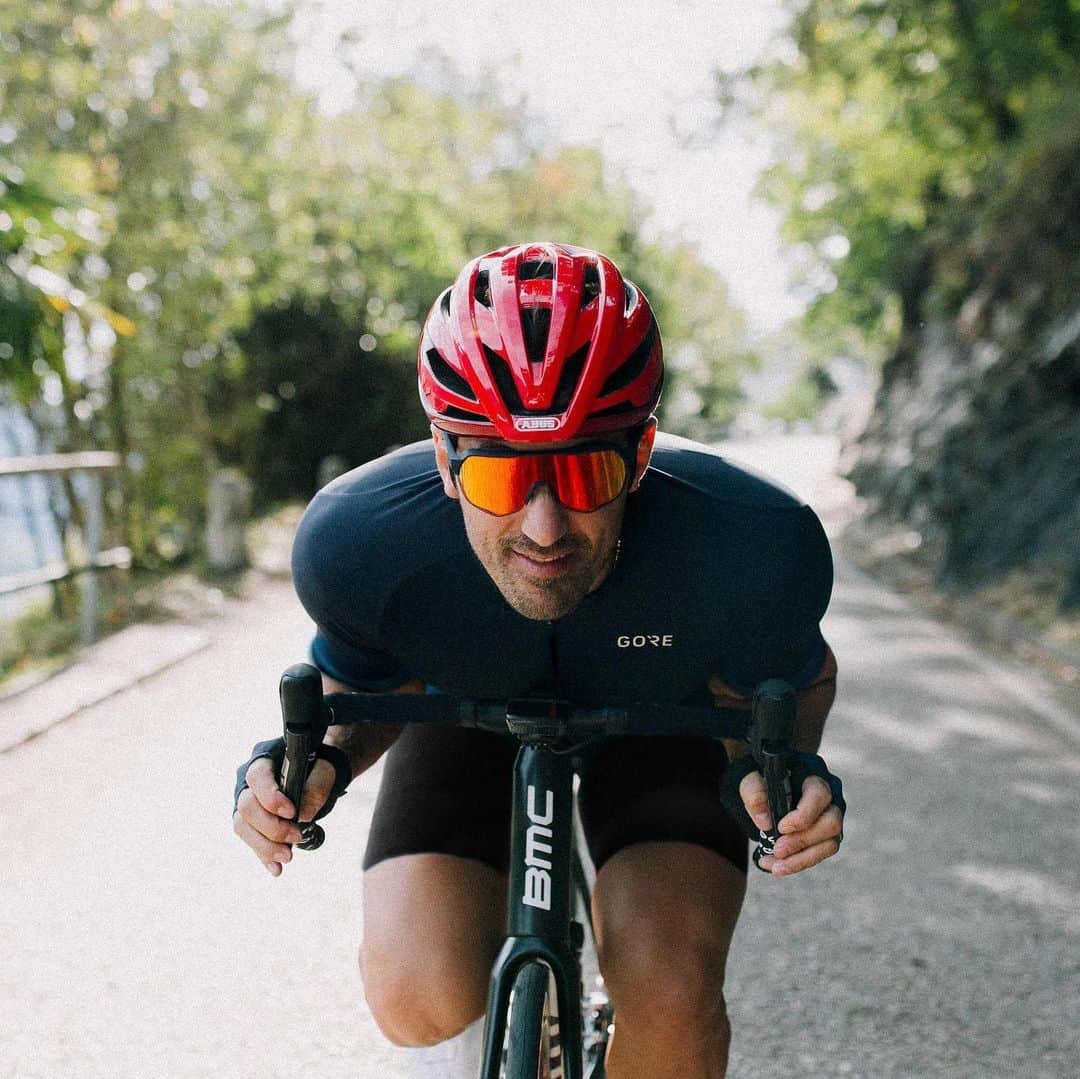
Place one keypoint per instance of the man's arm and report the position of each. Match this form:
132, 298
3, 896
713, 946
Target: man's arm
812, 702
363, 743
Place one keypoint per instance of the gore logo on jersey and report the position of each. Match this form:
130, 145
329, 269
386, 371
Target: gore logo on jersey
537, 423
646, 640
537, 845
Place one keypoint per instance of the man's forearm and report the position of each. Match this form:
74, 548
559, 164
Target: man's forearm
363, 743
812, 706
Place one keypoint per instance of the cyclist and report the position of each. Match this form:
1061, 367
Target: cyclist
547, 541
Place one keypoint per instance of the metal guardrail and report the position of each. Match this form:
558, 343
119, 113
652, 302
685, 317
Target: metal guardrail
92, 464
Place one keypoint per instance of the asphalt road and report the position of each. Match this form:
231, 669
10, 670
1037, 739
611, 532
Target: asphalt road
142, 940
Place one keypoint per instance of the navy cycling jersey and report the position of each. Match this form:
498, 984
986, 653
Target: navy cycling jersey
719, 572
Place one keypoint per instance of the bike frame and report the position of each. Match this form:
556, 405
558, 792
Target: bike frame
540, 895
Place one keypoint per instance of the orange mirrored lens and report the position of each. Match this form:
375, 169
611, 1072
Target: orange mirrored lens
581, 481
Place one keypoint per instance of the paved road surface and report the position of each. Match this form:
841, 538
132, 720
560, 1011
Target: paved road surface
141, 940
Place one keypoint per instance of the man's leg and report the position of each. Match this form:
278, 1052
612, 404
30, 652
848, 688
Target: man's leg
435, 893
670, 884
665, 913
433, 924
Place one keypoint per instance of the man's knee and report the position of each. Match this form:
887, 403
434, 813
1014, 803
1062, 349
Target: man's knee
662, 947
653, 966
423, 999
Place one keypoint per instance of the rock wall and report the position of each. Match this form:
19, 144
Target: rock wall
974, 440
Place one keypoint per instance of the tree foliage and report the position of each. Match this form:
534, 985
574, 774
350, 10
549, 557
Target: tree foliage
199, 268
898, 124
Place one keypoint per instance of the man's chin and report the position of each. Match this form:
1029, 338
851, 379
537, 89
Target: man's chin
542, 602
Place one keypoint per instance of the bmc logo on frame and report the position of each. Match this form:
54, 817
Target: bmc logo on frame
538, 844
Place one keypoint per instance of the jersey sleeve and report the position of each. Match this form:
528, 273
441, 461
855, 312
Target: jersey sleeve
338, 571
786, 591
361, 668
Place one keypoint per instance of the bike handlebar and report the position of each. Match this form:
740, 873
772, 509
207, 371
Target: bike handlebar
304, 719
556, 719
306, 714
772, 738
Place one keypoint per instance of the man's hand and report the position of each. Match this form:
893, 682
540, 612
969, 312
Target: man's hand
264, 816
809, 834
814, 829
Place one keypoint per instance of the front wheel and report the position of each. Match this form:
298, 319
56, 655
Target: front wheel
532, 1050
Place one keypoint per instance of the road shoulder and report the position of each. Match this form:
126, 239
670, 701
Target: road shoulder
103, 670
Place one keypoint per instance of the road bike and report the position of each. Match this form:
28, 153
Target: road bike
532, 1029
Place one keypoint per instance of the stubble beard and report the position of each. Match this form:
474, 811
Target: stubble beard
547, 600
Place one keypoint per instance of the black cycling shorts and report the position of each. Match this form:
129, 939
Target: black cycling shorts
447, 791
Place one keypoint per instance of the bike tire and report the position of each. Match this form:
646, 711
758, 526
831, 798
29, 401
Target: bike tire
525, 1047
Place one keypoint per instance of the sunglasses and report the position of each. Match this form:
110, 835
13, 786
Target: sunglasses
499, 480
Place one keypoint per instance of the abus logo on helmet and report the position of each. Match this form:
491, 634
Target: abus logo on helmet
537, 423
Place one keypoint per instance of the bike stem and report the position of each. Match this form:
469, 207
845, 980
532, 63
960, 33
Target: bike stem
539, 903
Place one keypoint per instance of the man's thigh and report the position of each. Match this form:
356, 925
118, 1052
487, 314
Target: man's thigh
444, 791
664, 914
656, 903
433, 924
671, 867
434, 881
432, 911
645, 790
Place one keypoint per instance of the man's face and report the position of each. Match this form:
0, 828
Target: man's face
544, 558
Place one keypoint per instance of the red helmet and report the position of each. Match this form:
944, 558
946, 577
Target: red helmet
538, 343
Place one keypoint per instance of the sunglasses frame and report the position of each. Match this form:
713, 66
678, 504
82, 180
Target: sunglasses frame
456, 459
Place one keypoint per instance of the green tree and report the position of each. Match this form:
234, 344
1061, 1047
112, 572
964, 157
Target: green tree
200, 268
895, 122
162, 122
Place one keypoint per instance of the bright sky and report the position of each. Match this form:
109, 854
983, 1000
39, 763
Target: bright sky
631, 76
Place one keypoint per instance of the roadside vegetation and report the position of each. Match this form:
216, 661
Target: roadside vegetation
200, 268
927, 163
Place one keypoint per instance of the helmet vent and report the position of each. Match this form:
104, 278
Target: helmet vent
452, 413
568, 380
535, 324
504, 380
635, 363
444, 302
482, 289
615, 410
536, 270
448, 377
590, 285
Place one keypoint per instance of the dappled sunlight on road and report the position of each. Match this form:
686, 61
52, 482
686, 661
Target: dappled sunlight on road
1060, 763
1041, 793
918, 685
1029, 889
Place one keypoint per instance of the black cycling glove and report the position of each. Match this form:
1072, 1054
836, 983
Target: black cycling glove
801, 766
275, 751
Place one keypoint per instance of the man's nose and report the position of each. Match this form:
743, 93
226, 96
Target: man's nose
546, 520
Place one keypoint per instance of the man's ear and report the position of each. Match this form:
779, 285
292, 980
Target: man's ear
644, 452
443, 462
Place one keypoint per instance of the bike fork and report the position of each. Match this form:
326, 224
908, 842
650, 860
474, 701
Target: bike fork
539, 908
